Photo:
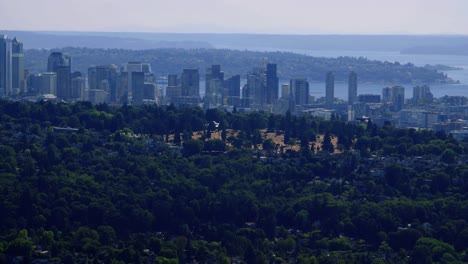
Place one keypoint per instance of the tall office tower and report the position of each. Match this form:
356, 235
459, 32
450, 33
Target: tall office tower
172, 80
300, 89
245, 100
398, 97
232, 86
422, 95
122, 88
138, 86
291, 101
61, 64
173, 88
106, 79
394, 95
5, 66
387, 95
130, 68
45, 83
18, 80
149, 91
285, 91
352, 88
214, 84
77, 88
330, 90
92, 83
272, 83
92, 78
26, 81
159, 95
190, 83
63, 82
256, 86
57, 59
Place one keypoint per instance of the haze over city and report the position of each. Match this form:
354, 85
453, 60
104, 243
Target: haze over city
239, 16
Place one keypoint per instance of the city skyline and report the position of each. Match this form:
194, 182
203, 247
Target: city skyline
227, 16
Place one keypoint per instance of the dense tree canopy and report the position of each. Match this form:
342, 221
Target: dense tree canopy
106, 184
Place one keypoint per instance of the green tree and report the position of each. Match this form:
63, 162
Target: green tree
192, 147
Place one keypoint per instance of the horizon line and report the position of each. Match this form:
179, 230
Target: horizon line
4, 31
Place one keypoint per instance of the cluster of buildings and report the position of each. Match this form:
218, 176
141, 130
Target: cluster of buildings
134, 83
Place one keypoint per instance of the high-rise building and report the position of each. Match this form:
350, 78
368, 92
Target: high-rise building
61, 64
149, 91
57, 59
300, 89
232, 86
130, 68
214, 85
17, 71
172, 80
285, 91
190, 83
422, 95
395, 96
245, 100
45, 83
106, 79
6, 84
63, 82
330, 90
77, 88
173, 88
138, 86
122, 87
272, 83
352, 88
92, 78
256, 89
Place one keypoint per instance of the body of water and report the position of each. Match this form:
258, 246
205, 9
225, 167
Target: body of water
317, 89
439, 90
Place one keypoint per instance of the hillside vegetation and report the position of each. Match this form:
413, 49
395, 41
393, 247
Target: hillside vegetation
97, 184
233, 62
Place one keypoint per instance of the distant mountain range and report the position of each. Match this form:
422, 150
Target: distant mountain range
263, 42
52, 40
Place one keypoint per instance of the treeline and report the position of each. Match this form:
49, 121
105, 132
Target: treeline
233, 62
102, 184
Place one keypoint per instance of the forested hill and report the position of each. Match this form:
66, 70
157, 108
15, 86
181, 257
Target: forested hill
164, 61
97, 184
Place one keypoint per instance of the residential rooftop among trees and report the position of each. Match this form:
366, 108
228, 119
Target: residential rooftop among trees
96, 183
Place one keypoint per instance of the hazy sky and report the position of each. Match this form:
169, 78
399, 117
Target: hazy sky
239, 16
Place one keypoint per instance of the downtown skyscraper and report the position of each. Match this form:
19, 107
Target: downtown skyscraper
272, 83
17, 67
61, 64
330, 90
300, 89
214, 86
5, 66
352, 88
